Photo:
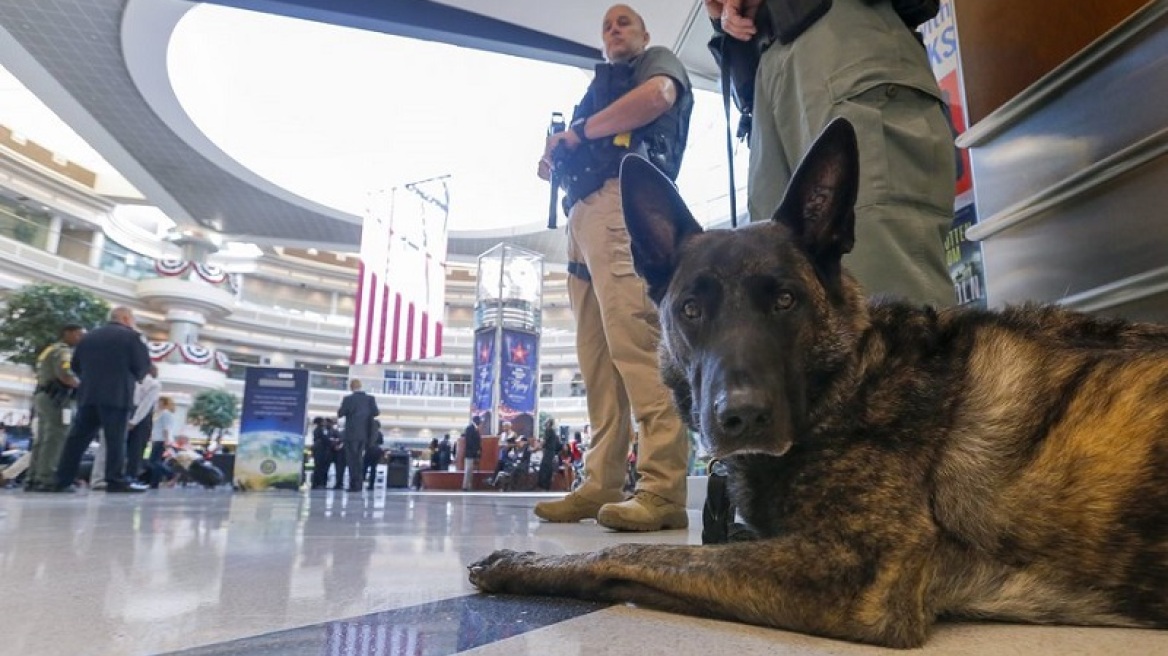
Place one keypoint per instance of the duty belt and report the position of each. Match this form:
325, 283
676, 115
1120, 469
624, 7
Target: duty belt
580, 270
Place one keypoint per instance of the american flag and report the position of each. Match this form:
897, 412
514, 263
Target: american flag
401, 282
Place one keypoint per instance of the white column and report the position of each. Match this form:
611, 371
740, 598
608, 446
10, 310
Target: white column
53, 242
96, 248
184, 325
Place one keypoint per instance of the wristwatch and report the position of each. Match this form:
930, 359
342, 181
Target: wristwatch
578, 128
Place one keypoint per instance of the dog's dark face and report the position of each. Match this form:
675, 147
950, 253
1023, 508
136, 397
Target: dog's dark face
753, 320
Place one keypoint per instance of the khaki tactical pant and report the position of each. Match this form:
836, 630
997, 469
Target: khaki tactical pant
617, 331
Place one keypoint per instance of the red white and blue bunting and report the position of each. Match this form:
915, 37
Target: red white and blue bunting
159, 350
195, 353
170, 267
211, 273
222, 361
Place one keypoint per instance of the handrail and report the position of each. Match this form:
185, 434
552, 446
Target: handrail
1074, 186
1120, 292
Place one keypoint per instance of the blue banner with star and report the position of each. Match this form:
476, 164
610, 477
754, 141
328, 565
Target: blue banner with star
484, 371
518, 376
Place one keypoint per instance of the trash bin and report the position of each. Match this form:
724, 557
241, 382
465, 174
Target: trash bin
398, 474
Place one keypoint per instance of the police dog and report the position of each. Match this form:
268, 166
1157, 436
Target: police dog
898, 464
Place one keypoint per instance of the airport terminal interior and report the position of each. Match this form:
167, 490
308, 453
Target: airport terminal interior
213, 165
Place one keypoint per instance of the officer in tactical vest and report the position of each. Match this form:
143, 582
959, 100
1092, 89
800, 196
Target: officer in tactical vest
639, 101
54, 390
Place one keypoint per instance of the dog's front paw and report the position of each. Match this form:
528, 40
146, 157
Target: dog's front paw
501, 571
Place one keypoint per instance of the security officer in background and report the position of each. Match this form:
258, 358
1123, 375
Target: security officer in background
54, 390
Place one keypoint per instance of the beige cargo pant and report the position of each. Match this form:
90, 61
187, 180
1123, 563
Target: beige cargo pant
617, 331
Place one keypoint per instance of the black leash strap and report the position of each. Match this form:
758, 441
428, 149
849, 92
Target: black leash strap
729, 135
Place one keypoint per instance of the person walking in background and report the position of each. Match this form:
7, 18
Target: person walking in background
109, 361
373, 454
641, 97
141, 424
359, 410
55, 386
855, 59
472, 450
445, 453
162, 436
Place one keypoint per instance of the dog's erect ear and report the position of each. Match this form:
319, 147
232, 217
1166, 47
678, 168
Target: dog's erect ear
658, 222
819, 206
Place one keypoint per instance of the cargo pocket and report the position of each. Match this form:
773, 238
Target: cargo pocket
627, 294
906, 149
620, 252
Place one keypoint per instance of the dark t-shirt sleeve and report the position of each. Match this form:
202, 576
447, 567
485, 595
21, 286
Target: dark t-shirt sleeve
660, 60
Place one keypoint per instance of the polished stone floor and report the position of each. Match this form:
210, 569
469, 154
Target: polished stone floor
218, 573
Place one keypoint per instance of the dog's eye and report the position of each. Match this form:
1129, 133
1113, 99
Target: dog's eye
691, 310
784, 301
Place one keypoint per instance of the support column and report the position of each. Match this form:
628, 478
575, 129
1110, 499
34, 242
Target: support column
96, 248
53, 241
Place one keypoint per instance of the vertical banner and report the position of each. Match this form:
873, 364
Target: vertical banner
962, 256
271, 429
484, 372
518, 379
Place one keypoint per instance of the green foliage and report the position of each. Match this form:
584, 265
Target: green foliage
34, 314
213, 411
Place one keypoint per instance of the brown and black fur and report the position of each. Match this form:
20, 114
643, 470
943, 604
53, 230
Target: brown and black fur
900, 464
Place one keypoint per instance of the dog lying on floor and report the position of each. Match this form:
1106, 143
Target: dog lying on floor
899, 464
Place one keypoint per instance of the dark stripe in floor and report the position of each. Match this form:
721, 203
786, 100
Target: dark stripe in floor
434, 629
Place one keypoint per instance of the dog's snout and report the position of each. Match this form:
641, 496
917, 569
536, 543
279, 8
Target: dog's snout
742, 410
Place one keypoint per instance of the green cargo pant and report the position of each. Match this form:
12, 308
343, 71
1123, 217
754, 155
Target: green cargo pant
859, 62
50, 439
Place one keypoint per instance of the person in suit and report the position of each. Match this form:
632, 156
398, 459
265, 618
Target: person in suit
473, 446
110, 361
359, 410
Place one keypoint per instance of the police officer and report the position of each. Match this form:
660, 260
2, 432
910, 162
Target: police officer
616, 324
55, 385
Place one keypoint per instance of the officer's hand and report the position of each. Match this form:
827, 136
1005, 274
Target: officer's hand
738, 17
566, 139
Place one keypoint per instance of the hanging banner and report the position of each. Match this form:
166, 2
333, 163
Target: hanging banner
271, 429
484, 371
517, 380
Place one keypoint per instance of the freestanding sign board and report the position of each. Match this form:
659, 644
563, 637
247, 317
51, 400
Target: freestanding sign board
271, 429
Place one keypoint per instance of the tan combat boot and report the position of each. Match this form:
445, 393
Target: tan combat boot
644, 512
572, 508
